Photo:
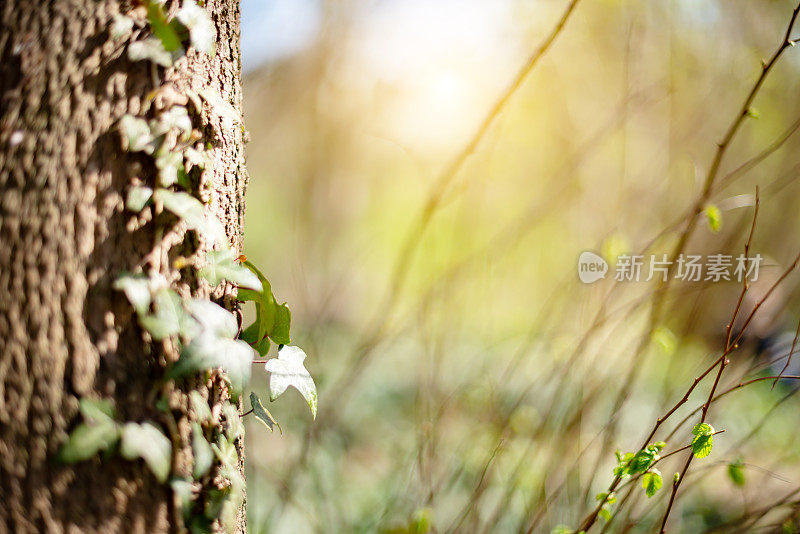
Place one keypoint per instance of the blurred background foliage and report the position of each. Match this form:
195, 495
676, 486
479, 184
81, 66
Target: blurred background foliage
488, 391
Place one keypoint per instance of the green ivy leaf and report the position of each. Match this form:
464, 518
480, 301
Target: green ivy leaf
221, 265
137, 290
200, 408
714, 218
280, 330
152, 49
736, 472
191, 211
138, 197
167, 318
262, 414
202, 451
209, 317
652, 482
176, 117
288, 370
207, 351
201, 28
136, 134
146, 441
220, 106
87, 439
121, 27
169, 164
96, 411
161, 27
234, 428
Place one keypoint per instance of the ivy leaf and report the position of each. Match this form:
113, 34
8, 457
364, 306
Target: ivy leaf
201, 28
152, 49
176, 117
137, 290
262, 414
146, 441
207, 351
167, 318
138, 197
211, 317
195, 158
220, 265
200, 407
288, 370
652, 482
169, 164
87, 439
191, 211
233, 422
161, 27
714, 218
280, 330
736, 473
220, 106
121, 27
97, 410
202, 451
703, 440
136, 134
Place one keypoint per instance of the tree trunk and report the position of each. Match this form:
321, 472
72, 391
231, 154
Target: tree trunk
65, 236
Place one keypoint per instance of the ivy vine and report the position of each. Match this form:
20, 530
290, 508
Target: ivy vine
206, 335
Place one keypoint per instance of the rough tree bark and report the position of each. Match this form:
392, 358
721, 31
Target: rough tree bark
64, 236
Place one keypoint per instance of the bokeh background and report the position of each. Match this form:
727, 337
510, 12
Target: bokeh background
480, 386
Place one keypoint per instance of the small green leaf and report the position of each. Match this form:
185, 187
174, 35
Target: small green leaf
87, 439
211, 317
234, 428
201, 28
152, 49
138, 197
137, 290
207, 351
136, 134
167, 318
169, 165
220, 265
176, 117
220, 106
121, 27
702, 444
714, 218
753, 113
195, 158
641, 461
97, 410
262, 414
200, 408
202, 451
736, 472
161, 27
191, 211
288, 370
676, 478
146, 441
702, 429
665, 340
652, 482
604, 513
280, 330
